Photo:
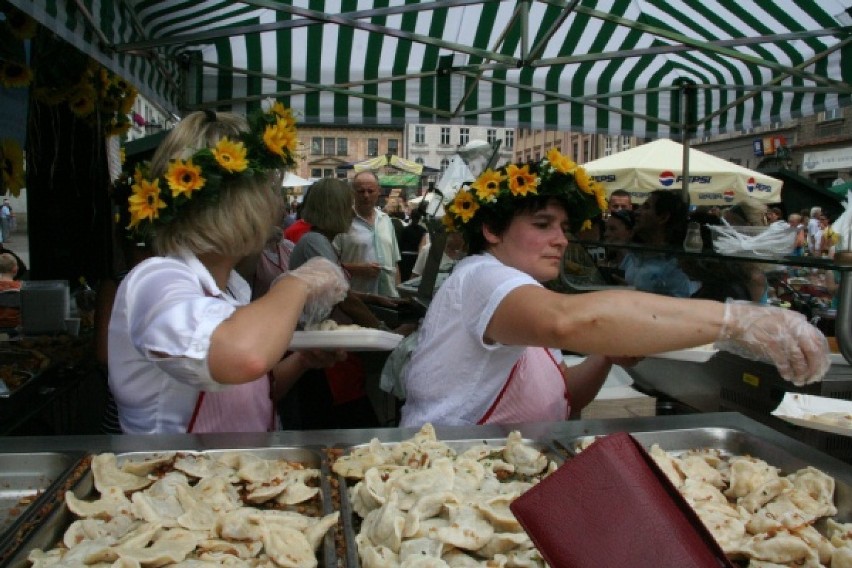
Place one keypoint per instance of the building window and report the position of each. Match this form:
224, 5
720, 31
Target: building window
372, 147
509, 139
419, 134
587, 149
575, 149
625, 143
445, 163
316, 146
316, 172
445, 136
833, 114
419, 161
328, 146
464, 136
341, 175
491, 135
328, 172
393, 146
608, 146
342, 146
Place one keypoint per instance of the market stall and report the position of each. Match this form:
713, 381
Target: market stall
728, 434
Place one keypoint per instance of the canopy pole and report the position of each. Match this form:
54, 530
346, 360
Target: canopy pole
688, 110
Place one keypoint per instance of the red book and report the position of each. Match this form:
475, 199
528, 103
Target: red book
612, 507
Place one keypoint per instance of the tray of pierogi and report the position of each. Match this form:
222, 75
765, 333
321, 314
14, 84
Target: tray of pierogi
764, 505
431, 502
249, 507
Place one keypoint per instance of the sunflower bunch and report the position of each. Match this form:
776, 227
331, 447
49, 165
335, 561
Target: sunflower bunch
14, 29
11, 167
556, 175
269, 144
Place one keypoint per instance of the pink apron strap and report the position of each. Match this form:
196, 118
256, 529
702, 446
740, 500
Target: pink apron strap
552, 358
195, 412
494, 404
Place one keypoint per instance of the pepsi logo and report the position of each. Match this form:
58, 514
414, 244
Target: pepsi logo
667, 178
750, 183
728, 196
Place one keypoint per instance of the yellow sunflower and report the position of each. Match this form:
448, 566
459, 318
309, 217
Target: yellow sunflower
14, 75
562, 164
521, 180
487, 185
184, 178
20, 24
283, 113
81, 99
12, 166
448, 223
145, 203
464, 205
584, 181
279, 139
230, 155
128, 100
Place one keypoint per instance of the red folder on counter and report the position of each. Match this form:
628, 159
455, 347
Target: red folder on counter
612, 507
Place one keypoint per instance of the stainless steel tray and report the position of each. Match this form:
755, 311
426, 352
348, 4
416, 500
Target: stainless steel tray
26, 481
734, 442
351, 521
50, 531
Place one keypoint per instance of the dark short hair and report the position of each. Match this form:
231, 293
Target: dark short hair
626, 216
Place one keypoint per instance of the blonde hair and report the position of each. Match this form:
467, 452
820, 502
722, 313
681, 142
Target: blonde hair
328, 206
8, 264
237, 224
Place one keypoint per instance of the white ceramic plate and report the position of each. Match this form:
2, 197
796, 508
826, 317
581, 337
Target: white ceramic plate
799, 409
694, 354
350, 340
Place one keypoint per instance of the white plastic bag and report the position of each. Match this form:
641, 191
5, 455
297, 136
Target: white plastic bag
778, 239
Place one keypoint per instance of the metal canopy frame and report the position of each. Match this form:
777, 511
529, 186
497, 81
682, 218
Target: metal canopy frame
162, 49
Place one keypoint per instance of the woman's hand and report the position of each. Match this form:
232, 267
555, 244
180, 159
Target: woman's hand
778, 336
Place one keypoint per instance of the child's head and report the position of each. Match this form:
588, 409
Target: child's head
8, 264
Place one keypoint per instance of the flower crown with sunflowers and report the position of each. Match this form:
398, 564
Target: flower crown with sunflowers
500, 190
269, 144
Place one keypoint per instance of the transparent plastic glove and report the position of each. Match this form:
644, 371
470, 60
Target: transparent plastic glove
327, 286
781, 337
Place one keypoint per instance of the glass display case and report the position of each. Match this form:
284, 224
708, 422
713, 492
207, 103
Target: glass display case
727, 382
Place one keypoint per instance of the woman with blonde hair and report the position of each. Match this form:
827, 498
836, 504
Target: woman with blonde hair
188, 351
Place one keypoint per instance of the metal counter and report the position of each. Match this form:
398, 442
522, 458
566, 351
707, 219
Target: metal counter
543, 431
728, 383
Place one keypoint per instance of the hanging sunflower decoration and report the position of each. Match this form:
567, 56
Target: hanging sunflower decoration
14, 29
11, 167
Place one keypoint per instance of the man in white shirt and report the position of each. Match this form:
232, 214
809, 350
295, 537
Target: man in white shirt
814, 229
5, 221
369, 251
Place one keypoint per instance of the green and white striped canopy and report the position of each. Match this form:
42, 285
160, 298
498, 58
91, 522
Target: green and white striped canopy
644, 67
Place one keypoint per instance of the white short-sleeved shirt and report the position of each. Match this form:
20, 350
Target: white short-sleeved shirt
372, 243
164, 314
453, 376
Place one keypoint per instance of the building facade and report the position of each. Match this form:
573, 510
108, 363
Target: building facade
817, 147
533, 145
325, 150
434, 145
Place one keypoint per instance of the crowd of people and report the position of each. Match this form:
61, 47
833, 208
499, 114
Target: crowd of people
195, 343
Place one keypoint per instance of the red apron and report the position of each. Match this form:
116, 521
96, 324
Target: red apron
533, 392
